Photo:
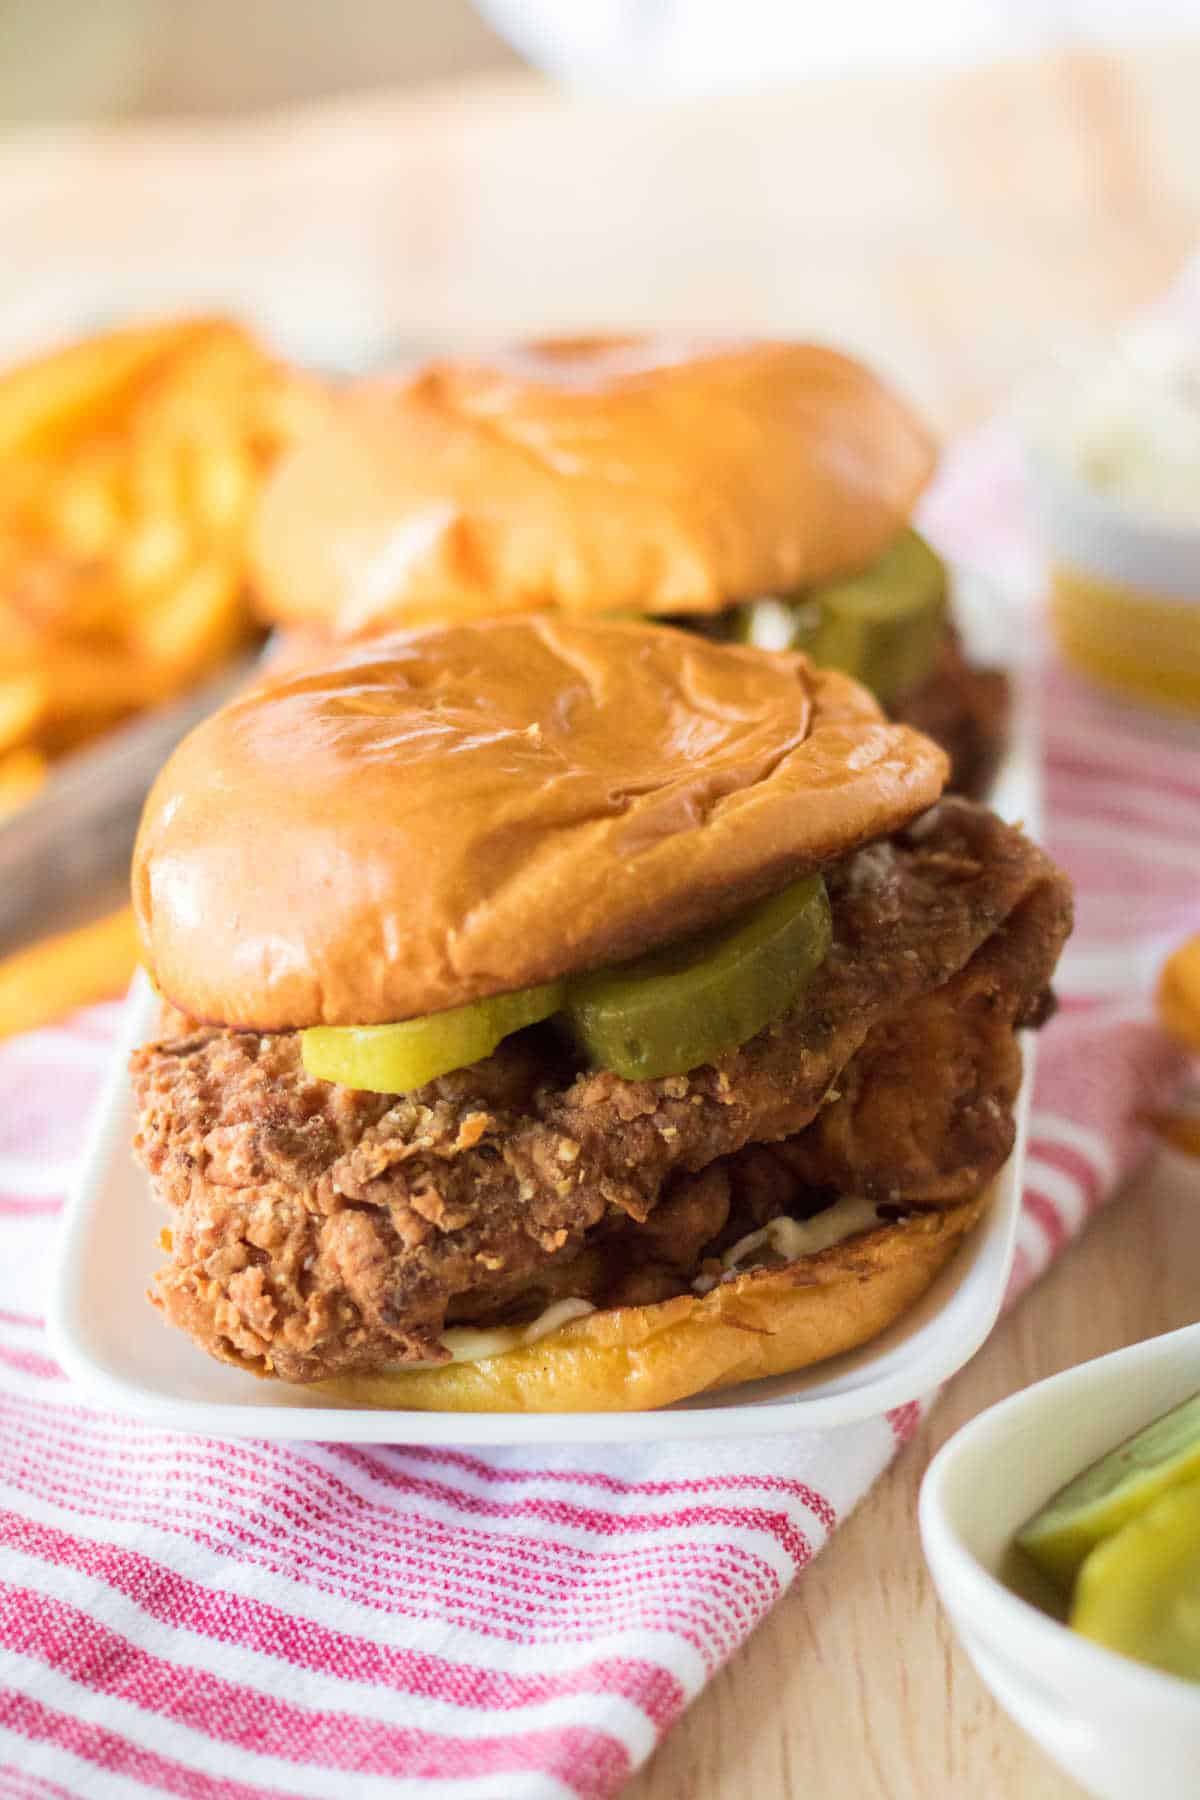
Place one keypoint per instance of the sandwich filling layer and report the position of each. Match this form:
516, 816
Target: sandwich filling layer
318, 1230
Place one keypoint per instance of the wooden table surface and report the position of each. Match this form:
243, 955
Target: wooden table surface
951, 227
855, 1684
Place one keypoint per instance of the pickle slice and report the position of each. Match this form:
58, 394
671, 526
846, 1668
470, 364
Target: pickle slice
394, 1059
1139, 1591
1113, 1491
683, 1005
883, 625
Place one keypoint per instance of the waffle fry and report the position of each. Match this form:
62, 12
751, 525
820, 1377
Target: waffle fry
1179, 1009
49, 979
1179, 994
129, 468
22, 773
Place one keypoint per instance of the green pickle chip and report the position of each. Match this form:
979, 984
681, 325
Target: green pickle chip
660, 1015
1139, 1591
683, 1005
1113, 1491
395, 1059
883, 626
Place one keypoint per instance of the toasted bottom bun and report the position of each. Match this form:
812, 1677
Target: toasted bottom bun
633, 1358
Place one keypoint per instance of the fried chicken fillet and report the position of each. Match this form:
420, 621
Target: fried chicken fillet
317, 1230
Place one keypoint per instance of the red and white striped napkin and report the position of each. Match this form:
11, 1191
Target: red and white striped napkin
231, 1621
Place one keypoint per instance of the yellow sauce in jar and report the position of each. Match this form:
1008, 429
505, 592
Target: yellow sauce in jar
1113, 450
1141, 644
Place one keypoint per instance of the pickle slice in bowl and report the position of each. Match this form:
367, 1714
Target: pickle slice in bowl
1139, 1591
682, 1006
395, 1059
1113, 1491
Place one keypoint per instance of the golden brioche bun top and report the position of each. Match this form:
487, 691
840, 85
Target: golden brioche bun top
433, 817
588, 474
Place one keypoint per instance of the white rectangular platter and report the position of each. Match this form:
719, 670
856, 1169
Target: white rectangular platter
115, 1346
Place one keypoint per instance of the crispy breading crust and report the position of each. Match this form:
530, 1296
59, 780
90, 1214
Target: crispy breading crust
317, 1231
763, 1322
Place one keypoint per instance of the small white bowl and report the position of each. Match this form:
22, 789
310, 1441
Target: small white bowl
1108, 538
1132, 399
1121, 1729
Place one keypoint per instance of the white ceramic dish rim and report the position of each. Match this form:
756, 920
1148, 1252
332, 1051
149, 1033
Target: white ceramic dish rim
913, 1357
983, 1607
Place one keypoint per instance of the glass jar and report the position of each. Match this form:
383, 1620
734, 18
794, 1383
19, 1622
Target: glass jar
1113, 460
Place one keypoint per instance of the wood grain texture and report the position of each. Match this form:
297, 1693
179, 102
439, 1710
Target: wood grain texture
855, 1685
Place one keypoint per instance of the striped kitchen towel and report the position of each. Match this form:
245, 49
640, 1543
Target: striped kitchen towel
232, 1621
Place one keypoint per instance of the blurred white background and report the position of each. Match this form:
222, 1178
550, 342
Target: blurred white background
74, 59
371, 178
708, 46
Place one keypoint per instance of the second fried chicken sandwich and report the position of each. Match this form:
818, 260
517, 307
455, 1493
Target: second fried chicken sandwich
568, 1013
759, 490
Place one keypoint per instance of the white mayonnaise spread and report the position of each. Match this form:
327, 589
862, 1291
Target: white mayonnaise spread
783, 1239
789, 1239
467, 1344
772, 623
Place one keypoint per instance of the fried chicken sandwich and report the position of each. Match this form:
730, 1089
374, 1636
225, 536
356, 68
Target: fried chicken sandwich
750, 489
565, 1013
